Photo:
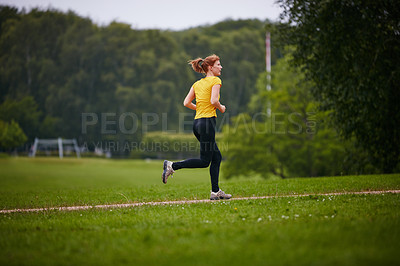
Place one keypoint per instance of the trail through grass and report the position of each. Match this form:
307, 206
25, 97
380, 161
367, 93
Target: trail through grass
49, 182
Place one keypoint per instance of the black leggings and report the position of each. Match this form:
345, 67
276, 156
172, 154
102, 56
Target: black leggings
204, 130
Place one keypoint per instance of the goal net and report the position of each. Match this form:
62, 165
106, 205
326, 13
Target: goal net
55, 144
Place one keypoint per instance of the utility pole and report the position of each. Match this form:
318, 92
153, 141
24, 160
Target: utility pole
268, 67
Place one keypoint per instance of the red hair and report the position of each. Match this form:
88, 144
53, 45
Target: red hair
201, 65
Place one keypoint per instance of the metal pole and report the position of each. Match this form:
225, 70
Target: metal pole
268, 67
34, 148
268, 59
60, 148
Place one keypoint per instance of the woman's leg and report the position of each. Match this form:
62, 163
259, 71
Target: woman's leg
214, 168
204, 131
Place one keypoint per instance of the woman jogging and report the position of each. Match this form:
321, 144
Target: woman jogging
206, 93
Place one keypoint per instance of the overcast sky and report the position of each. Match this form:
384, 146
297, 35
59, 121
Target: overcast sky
160, 14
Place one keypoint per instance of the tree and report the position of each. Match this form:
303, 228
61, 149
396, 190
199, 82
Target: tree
24, 113
351, 51
69, 66
293, 140
11, 135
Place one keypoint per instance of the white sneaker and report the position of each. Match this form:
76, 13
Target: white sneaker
168, 171
219, 195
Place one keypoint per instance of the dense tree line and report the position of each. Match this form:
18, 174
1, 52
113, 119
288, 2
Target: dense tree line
61, 75
57, 67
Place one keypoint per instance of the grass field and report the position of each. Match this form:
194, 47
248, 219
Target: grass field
309, 230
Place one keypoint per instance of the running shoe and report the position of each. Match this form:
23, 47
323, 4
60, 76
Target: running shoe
219, 195
168, 171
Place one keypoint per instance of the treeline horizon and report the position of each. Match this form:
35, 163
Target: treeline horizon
57, 66
61, 75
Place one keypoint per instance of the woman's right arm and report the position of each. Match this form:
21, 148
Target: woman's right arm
189, 98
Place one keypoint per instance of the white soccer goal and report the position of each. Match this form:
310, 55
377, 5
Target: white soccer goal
55, 143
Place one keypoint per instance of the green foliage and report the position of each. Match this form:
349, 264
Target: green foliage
24, 112
351, 50
294, 140
70, 66
11, 135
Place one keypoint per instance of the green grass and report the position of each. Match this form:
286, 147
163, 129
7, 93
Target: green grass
313, 230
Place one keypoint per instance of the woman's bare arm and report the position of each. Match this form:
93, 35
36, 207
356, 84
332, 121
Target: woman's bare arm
214, 98
189, 98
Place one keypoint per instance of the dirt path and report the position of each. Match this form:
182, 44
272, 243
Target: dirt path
154, 203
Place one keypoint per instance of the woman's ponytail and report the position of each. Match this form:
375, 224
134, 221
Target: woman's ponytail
197, 65
201, 65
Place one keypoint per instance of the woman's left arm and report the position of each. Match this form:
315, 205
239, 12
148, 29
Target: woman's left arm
215, 98
189, 98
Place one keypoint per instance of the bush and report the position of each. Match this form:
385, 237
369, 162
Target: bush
11, 135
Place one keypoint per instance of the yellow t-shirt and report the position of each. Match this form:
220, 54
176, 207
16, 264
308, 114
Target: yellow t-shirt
202, 89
